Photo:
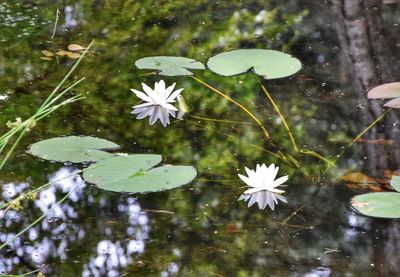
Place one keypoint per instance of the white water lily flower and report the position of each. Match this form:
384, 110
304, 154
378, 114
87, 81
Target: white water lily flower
263, 198
158, 102
263, 178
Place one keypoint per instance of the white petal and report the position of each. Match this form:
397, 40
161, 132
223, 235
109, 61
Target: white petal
253, 190
166, 115
280, 181
172, 113
252, 201
169, 107
139, 110
271, 201
276, 190
244, 197
142, 105
146, 112
150, 92
248, 171
163, 120
160, 87
141, 95
244, 179
174, 95
280, 197
262, 199
155, 115
169, 90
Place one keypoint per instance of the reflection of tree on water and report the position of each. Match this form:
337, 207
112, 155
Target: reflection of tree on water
62, 227
370, 59
369, 48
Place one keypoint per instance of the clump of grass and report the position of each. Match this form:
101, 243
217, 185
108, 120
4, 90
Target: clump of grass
19, 128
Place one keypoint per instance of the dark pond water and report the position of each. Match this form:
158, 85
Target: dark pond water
200, 229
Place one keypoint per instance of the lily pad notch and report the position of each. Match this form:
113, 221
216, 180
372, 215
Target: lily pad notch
170, 65
269, 64
134, 173
378, 204
74, 149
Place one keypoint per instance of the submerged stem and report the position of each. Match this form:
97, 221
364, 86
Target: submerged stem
373, 123
279, 156
220, 120
12, 148
266, 134
278, 111
318, 156
368, 127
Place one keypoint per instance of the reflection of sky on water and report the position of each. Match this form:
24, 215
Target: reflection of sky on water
52, 236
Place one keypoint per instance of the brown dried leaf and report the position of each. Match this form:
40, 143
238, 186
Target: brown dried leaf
358, 177
73, 56
46, 58
47, 53
75, 47
62, 53
375, 188
356, 186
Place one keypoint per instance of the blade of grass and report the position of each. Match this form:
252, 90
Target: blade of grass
36, 221
50, 97
12, 149
61, 94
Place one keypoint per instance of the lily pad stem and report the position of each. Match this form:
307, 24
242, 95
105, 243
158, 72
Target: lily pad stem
278, 111
360, 135
266, 134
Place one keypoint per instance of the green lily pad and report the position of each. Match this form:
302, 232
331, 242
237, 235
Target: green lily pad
132, 173
378, 204
72, 149
395, 183
267, 63
169, 65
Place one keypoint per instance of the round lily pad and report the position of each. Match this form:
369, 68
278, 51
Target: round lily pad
378, 204
169, 65
131, 173
73, 149
269, 64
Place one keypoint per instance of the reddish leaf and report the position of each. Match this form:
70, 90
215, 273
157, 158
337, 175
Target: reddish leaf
232, 228
391, 90
394, 103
